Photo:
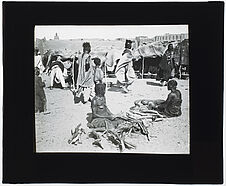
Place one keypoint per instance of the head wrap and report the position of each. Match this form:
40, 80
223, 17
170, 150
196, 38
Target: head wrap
128, 44
86, 47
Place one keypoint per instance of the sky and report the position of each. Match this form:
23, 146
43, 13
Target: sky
107, 32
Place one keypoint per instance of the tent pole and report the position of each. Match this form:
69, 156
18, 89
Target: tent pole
105, 74
142, 67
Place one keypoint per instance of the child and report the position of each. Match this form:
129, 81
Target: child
40, 97
98, 76
98, 73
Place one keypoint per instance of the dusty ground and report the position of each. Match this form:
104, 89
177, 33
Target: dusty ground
168, 136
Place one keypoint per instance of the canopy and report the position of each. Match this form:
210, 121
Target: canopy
152, 50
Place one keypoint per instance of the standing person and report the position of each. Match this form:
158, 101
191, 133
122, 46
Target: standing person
40, 97
166, 65
38, 61
56, 73
177, 60
85, 80
184, 56
75, 70
98, 72
124, 71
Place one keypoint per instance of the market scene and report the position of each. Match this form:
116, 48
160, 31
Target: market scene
118, 95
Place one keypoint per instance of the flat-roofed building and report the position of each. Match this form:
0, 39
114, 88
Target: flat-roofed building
171, 37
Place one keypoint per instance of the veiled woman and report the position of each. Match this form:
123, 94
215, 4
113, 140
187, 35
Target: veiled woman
166, 65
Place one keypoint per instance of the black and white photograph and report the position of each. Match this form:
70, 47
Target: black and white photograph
112, 89
113, 93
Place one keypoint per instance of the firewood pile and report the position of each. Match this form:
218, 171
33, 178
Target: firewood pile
135, 122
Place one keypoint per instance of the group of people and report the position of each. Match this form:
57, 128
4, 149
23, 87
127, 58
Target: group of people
102, 117
90, 71
56, 70
88, 82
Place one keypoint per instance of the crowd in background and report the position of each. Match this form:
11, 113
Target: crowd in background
83, 73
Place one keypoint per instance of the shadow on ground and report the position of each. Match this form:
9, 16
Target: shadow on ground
115, 88
154, 83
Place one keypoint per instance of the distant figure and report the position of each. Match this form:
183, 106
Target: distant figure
124, 70
56, 73
38, 61
184, 57
85, 80
40, 97
75, 70
68, 74
166, 65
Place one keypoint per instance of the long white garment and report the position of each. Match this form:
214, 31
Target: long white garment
38, 63
124, 71
56, 73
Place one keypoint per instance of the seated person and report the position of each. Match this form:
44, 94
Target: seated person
56, 73
170, 108
101, 115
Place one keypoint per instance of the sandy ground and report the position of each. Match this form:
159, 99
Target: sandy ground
170, 136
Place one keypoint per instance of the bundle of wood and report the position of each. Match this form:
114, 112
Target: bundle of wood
144, 109
76, 135
118, 139
118, 136
135, 121
152, 115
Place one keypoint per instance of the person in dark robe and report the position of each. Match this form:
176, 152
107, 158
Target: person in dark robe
75, 70
101, 115
177, 61
184, 56
40, 97
166, 65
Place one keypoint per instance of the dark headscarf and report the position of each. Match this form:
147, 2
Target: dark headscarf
128, 44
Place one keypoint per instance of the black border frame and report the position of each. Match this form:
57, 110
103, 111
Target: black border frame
205, 162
